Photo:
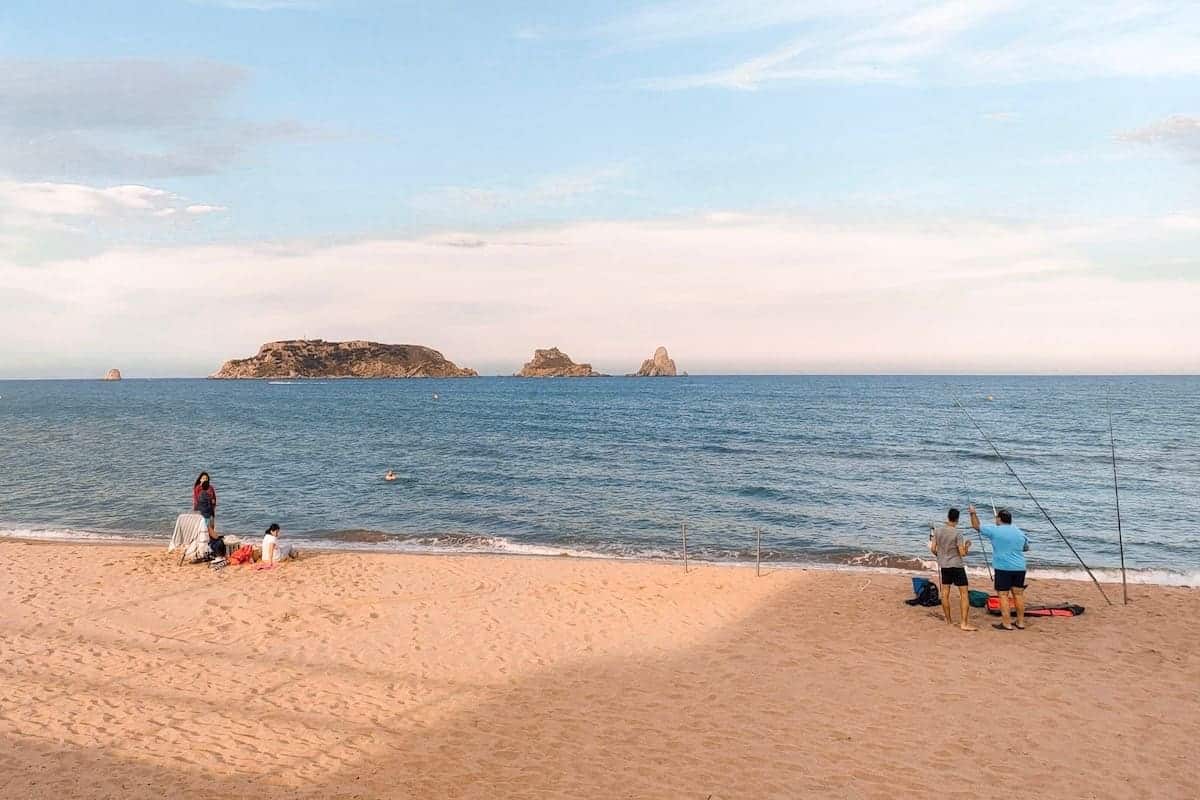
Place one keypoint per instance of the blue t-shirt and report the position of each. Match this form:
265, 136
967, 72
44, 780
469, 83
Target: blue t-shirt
1008, 544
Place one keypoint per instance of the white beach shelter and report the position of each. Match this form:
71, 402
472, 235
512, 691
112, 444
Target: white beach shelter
191, 535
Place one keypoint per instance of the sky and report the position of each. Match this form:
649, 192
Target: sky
761, 186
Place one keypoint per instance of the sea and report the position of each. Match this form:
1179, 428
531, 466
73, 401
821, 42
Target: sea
846, 472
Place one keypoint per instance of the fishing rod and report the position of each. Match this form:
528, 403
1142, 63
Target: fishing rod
1045, 514
987, 560
1112, 443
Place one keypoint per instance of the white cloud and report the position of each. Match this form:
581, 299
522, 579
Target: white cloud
79, 200
727, 292
124, 117
200, 208
691, 19
39, 219
1183, 221
1179, 131
531, 33
960, 42
553, 190
73, 200
262, 5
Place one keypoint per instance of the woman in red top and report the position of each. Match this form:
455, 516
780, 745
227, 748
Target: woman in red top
204, 501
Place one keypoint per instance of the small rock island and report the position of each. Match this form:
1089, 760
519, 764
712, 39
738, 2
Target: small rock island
659, 366
317, 358
554, 363
112, 375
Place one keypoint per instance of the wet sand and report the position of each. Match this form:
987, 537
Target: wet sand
351, 675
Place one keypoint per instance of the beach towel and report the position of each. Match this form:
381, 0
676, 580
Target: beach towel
190, 536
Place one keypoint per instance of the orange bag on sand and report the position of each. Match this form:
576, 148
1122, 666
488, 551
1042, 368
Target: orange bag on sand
243, 555
1061, 610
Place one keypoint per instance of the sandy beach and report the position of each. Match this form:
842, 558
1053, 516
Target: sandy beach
351, 675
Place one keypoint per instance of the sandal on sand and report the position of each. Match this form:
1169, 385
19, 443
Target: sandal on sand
1000, 627
1019, 627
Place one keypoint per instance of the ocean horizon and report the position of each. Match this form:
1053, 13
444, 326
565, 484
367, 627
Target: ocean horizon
689, 374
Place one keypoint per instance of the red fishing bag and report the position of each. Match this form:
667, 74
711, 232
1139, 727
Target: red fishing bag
1062, 610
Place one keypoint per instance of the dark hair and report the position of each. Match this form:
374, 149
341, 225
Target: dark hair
202, 475
1005, 516
274, 527
952, 515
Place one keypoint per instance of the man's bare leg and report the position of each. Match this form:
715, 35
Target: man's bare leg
946, 603
1019, 598
1005, 619
964, 607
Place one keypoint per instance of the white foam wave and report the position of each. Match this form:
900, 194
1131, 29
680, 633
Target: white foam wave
483, 544
506, 546
65, 535
1156, 577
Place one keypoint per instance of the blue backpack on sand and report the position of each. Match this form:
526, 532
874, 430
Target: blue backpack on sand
926, 592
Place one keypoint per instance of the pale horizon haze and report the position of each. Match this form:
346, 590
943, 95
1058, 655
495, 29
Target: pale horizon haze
995, 186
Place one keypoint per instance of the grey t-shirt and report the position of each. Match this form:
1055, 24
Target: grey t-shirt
947, 540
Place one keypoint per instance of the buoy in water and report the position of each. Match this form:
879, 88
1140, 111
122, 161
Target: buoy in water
990, 397
435, 395
390, 476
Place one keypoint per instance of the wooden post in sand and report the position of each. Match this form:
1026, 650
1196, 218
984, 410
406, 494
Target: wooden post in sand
758, 552
683, 530
1112, 443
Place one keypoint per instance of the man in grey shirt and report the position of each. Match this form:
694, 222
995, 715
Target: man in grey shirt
948, 544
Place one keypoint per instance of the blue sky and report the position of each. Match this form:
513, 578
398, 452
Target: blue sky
207, 133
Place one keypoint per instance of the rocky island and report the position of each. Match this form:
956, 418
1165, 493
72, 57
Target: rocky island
317, 358
659, 366
554, 363
112, 375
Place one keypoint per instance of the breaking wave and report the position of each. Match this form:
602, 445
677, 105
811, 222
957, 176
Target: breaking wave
450, 543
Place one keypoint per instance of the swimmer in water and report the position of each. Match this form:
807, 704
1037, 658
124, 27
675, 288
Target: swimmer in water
391, 476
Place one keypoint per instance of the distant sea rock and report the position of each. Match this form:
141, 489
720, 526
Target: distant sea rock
317, 358
660, 366
554, 363
112, 375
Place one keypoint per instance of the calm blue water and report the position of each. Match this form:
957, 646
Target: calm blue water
831, 469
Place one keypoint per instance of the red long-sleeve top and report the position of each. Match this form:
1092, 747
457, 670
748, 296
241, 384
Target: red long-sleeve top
212, 495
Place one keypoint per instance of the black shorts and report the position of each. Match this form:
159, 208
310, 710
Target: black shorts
954, 576
1009, 579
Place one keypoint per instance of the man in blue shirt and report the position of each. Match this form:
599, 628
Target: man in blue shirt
1009, 544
